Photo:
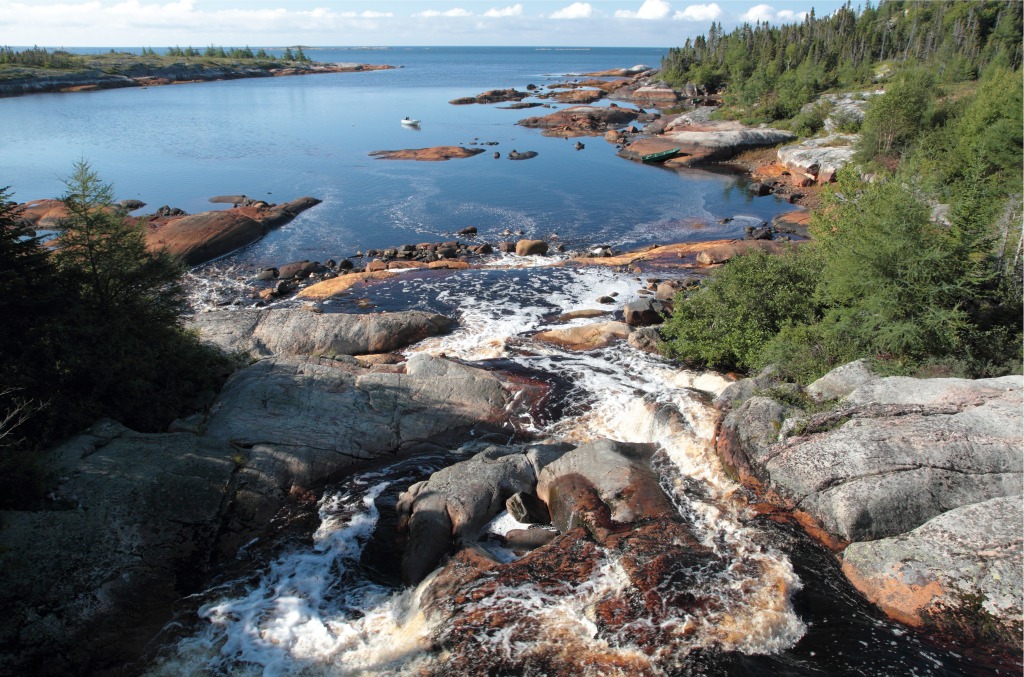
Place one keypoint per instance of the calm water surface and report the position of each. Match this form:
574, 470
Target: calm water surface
280, 138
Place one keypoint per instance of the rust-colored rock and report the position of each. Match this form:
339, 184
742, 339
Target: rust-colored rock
581, 121
433, 154
491, 96
338, 285
198, 238
587, 337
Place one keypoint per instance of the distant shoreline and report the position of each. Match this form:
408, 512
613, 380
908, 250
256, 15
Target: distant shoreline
43, 81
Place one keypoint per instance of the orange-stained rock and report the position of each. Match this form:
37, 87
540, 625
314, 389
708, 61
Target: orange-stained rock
405, 265
337, 285
723, 252
376, 266
198, 238
581, 121
43, 213
587, 337
449, 264
433, 154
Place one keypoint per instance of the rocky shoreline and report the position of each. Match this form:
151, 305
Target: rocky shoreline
914, 484
143, 75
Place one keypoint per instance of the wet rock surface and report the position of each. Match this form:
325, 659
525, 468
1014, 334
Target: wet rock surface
615, 523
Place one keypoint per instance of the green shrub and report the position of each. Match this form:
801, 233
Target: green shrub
726, 322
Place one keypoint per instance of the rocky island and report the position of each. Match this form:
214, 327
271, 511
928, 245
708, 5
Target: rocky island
110, 71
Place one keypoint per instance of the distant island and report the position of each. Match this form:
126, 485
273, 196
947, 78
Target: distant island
39, 70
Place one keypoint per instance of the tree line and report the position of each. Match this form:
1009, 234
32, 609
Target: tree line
768, 72
59, 59
916, 258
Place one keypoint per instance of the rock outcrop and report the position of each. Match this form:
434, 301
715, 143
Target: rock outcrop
819, 159
705, 141
140, 521
433, 154
611, 516
898, 466
586, 337
199, 238
36, 81
492, 96
581, 121
261, 332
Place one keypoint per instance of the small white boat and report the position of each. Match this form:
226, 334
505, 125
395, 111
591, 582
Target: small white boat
409, 122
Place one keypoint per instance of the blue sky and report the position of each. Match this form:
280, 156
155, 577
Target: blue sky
597, 23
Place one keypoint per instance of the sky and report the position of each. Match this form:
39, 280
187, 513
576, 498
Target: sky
268, 23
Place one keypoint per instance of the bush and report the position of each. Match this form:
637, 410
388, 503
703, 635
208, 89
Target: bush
726, 322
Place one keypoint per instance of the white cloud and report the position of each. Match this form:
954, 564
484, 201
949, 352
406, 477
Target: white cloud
651, 10
514, 10
790, 15
700, 13
457, 11
759, 13
577, 10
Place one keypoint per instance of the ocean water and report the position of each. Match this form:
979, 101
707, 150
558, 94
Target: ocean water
281, 138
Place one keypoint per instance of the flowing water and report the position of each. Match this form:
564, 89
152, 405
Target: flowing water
332, 603
336, 607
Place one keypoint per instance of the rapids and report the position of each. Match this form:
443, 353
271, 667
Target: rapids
334, 605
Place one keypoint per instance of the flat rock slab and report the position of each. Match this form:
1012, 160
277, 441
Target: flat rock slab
960, 571
909, 450
198, 238
261, 332
433, 154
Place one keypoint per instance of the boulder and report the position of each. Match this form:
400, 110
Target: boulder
646, 339
656, 96
723, 252
531, 248
299, 269
841, 381
959, 572
617, 473
261, 332
820, 158
455, 504
644, 312
587, 337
